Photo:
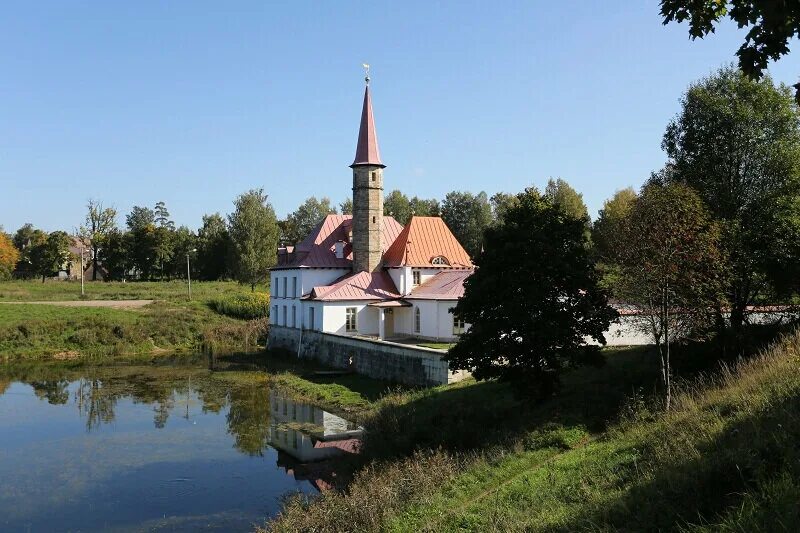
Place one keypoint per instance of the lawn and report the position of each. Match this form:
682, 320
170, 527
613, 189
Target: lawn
172, 323
203, 291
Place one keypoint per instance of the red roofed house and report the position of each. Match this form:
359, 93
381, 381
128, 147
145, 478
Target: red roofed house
366, 274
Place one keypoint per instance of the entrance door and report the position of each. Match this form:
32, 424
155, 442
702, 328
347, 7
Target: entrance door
388, 323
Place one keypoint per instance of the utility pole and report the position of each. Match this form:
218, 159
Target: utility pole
83, 292
189, 271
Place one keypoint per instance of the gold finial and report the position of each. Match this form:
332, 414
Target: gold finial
366, 71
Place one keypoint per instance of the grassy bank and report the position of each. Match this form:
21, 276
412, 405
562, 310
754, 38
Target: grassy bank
170, 324
202, 291
603, 455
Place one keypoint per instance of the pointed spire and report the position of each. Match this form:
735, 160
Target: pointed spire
367, 152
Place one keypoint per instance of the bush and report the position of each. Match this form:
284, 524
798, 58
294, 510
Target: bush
245, 306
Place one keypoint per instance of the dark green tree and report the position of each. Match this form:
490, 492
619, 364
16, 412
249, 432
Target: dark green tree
51, 254
299, 223
24, 239
115, 254
532, 301
607, 241
183, 242
346, 206
397, 205
771, 25
213, 248
737, 143
142, 226
467, 215
254, 236
501, 202
421, 207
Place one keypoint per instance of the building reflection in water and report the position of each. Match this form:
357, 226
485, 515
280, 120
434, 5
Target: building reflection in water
306, 436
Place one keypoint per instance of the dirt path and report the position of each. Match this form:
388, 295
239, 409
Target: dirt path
115, 304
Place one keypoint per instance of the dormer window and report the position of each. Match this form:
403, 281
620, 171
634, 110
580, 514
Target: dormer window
440, 260
416, 277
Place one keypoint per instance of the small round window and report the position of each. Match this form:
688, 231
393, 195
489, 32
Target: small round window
440, 260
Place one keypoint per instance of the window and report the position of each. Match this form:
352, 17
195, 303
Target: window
275, 314
294, 287
294, 316
285, 279
285, 320
416, 277
311, 318
440, 260
417, 320
458, 325
350, 319
374, 175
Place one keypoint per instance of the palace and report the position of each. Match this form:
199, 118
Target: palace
365, 274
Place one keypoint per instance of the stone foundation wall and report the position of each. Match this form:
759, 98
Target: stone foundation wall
400, 363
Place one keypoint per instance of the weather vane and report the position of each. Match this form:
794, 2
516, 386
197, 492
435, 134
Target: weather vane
366, 71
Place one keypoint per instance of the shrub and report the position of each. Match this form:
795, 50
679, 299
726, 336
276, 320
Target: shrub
245, 306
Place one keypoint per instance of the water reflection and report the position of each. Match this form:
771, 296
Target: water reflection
147, 447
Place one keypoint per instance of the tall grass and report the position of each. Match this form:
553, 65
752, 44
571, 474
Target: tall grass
246, 306
725, 457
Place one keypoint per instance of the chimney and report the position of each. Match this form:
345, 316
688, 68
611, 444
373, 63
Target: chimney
339, 249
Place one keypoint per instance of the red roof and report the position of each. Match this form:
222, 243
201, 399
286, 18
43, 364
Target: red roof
422, 240
367, 152
319, 248
361, 286
446, 285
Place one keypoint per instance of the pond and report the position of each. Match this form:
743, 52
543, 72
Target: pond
171, 447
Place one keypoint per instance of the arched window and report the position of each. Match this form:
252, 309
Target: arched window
417, 320
440, 260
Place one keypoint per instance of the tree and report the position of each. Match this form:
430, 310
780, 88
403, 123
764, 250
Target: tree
565, 197
213, 247
99, 223
737, 143
9, 256
398, 206
115, 255
24, 239
299, 224
142, 242
424, 208
607, 241
162, 218
50, 254
671, 266
254, 235
772, 25
467, 216
183, 242
346, 206
501, 203
527, 330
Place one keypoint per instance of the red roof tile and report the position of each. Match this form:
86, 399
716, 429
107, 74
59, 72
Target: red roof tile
446, 285
319, 248
361, 286
423, 239
367, 152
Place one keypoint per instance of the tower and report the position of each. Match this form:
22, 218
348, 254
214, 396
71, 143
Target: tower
367, 193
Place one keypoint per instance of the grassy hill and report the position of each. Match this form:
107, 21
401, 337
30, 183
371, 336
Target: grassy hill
603, 455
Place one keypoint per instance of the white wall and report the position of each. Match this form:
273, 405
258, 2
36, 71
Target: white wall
436, 321
335, 314
307, 279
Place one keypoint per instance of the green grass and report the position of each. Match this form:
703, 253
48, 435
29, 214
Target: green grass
437, 345
203, 291
172, 323
601, 456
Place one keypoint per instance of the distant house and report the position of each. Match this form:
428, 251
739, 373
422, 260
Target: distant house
366, 274
72, 268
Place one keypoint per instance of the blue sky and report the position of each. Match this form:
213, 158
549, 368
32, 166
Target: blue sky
195, 102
